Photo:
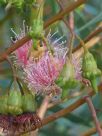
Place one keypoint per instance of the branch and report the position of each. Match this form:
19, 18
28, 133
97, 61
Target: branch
91, 131
89, 44
70, 25
21, 42
27, 38
72, 96
90, 36
49, 22
61, 14
65, 111
93, 112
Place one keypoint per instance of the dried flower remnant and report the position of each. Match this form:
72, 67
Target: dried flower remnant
27, 119
42, 74
20, 123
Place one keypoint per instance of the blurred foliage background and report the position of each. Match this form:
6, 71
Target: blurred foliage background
87, 17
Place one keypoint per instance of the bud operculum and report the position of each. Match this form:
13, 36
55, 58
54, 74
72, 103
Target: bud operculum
90, 69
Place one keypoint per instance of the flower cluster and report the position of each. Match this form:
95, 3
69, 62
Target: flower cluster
41, 74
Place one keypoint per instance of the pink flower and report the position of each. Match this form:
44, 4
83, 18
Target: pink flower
22, 52
42, 74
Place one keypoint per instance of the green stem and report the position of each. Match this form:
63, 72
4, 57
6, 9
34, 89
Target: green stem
37, 12
40, 11
93, 112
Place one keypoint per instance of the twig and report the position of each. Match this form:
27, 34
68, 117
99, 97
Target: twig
91, 131
70, 25
89, 44
71, 21
60, 15
93, 112
65, 111
42, 111
90, 36
75, 94
43, 108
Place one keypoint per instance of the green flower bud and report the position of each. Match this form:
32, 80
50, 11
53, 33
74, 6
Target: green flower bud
37, 32
3, 104
37, 27
90, 69
14, 103
28, 103
67, 79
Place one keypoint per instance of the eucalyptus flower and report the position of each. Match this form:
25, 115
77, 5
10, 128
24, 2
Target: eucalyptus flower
42, 74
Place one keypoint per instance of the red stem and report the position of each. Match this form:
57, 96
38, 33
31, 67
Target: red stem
92, 109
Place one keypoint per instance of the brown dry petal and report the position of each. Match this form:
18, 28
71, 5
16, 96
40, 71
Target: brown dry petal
21, 123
